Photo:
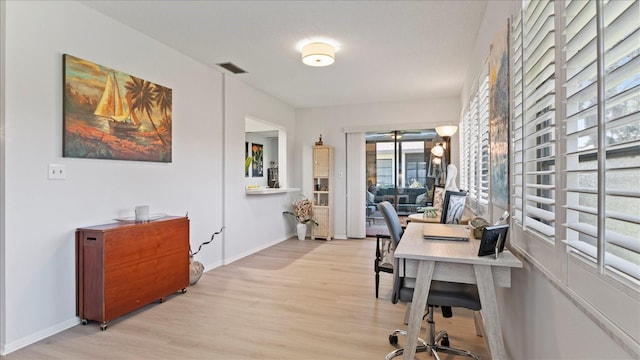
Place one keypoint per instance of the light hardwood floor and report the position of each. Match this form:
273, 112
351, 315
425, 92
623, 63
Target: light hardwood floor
295, 300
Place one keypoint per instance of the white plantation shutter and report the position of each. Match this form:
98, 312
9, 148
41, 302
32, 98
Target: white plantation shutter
622, 136
539, 118
475, 146
517, 151
464, 155
603, 134
473, 149
483, 128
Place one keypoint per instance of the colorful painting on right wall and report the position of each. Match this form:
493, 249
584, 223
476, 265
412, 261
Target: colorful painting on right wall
499, 117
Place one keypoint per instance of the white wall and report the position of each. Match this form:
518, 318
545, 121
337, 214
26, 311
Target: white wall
331, 122
253, 221
2, 171
539, 321
40, 215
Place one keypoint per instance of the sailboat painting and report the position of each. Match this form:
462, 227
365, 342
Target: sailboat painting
111, 115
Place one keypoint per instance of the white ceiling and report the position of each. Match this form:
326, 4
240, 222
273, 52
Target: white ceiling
388, 50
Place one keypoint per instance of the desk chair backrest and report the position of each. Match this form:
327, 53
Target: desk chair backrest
393, 221
395, 232
453, 207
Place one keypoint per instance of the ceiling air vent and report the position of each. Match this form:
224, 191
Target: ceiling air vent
231, 67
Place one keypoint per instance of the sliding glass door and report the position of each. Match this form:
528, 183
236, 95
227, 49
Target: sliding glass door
402, 170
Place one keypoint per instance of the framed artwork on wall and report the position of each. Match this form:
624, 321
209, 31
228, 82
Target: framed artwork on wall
256, 153
247, 159
111, 115
499, 117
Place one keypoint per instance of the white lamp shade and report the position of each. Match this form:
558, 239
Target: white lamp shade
446, 131
318, 54
437, 150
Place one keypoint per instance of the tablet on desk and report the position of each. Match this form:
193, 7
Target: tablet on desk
493, 240
448, 232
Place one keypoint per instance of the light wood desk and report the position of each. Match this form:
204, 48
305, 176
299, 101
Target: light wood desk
455, 261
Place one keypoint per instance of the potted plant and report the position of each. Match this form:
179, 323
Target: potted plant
303, 212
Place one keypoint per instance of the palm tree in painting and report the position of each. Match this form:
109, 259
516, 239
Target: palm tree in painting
163, 101
143, 97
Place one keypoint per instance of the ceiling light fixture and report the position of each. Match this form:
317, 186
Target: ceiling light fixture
318, 54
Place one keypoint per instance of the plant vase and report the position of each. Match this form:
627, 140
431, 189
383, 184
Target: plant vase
302, 230
195, 271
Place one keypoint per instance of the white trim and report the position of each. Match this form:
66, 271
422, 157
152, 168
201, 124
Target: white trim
40, 335
244, 254
3, 306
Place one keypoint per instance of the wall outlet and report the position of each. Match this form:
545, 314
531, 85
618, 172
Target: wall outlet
57, 172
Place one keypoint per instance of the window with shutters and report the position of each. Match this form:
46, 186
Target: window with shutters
603, 134
538, 86
517, 174
469, 131
474, 147
575, 182
464, 155
483, 134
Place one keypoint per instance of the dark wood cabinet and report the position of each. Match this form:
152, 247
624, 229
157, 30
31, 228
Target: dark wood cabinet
126, 265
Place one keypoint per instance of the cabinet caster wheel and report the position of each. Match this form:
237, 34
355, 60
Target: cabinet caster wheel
444, 341
393, 339
84, 321
184, 291
103, 327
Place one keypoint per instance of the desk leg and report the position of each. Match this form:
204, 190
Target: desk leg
419, 302
493, 328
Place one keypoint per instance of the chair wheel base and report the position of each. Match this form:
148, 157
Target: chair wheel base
445, 341
393, 339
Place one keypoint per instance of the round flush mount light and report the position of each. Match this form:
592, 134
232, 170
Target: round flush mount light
318, 54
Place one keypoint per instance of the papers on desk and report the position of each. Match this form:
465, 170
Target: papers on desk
447, 232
